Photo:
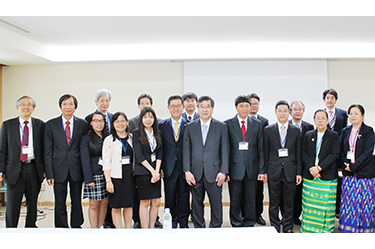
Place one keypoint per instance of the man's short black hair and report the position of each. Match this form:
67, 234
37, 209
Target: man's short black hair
189, 95
144, 95
254, 95
68, 96
206, 98
242, 99
282, 102
330, 91
173, 97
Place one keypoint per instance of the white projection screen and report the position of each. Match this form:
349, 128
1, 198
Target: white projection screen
272, 80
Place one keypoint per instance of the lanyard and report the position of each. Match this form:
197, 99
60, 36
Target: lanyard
152, 144
123, 145
283, 141
179, 128
23, 134
355, 139
62, 121
318, 148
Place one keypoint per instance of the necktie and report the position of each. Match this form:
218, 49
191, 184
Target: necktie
189, 118
204, 133
25, 139
283, 134
108, 125
243, 129
67, 131
176, 131
331, 119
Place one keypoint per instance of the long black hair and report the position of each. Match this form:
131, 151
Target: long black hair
95, 141
142, 134
114, 118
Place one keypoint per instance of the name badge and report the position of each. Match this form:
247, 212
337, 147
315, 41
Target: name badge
350, 155
125, 160
27, 150
283, 152
153, 157
100, 161
243, 146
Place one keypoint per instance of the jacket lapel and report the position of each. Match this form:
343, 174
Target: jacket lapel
237, 127
15, 130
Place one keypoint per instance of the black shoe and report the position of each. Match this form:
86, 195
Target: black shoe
297, 222
137, 224
158, 224
108, 225
261, 221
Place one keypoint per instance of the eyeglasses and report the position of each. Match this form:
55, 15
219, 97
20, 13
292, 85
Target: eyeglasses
28, 105
120, 121
98, 121
205, 107
175, 106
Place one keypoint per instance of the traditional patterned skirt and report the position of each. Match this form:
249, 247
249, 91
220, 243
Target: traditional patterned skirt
357, 205
318, 206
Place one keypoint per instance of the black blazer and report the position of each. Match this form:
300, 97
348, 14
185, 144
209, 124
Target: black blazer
110, 115
245, 162
172, 150
263, 120
364, 165
341, 121
306, 126
60, 157
90, 161
274, 164
213, 157
10, 149
329, 153
143, 152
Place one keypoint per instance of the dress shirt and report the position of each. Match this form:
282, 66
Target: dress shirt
151, 139
240, 121
192, 116
178, 125
286, 130
70, 125
334, 114
298, 125
30, 141
207, 123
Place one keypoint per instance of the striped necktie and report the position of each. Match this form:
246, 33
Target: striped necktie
176, 131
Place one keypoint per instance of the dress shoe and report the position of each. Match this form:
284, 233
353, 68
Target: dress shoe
158, 224
137, 224
261, 221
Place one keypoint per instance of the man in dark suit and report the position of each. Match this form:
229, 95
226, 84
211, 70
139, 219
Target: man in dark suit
282, 150
175, 187
205, 162
190, 102
255, 101
22, 162
63, 164
246, 164
338, 119
297, 111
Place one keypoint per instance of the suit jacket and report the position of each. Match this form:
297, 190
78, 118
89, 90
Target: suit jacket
90, 161
110, 115
184, 115
245, 162
263, 120
213, 157
10, 149
306, 126
172, 150
328, 155
292, 164
143, 152
60, 157
364, 165
341, 121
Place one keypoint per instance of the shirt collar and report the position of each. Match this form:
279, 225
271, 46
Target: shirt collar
286, 125
240, 120
21, 120
297, 124
207, 123
70, 120
333, 109
174, 121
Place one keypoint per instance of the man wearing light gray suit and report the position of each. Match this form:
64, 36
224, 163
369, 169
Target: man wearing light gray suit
206, 162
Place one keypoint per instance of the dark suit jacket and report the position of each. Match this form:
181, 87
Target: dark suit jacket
213, 157
143, 152
10, 149
251, 161
341, 120
329, 153
306, 126
184, 115
273, 163
364, 163
88, 117
263, 120
90, 161
172, 150
60, 157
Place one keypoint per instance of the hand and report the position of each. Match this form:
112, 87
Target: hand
220, 178
227, 179
261, 177
109, 187
1, 177
161, 173
44, 175
155, 176
91, 184
265, 178
190, 178
51, 182
299, 180
347, 167
314, 171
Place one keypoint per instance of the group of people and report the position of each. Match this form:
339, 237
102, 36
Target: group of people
121, 162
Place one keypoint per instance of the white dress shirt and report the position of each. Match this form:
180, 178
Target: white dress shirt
30, 141
71, 125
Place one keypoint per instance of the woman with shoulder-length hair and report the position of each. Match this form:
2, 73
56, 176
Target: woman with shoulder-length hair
320, 151
118, 158
91, 154
148, 152
358, 194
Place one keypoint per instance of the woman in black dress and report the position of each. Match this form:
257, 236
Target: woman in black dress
148, 153
118, 158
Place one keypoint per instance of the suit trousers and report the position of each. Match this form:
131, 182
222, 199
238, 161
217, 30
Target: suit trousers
29, 185
76, 214
277, 189
215, 197
242, 191
259, 198
176, 192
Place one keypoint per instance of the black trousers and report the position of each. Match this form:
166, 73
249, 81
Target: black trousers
259, 198
287, 190
242, 192
215, 197
28, 185
177, 192
76, 214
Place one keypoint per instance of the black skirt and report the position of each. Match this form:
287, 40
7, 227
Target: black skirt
123, 189
146, 189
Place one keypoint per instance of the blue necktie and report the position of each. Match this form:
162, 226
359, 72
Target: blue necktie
204, 133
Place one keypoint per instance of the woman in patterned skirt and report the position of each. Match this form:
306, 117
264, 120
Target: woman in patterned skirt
91, 153
320, 151
357, 195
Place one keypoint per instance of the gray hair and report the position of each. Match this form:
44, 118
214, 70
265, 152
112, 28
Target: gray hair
25, 96
296, 102
102, 92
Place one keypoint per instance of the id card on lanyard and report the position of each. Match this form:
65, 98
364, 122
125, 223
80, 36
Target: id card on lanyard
350, 154
152, 145
125, 159
26, 149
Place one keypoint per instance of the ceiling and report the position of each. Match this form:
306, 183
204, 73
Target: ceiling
48, 40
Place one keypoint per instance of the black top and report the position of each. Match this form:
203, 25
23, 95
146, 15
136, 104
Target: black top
90, 159
129, 150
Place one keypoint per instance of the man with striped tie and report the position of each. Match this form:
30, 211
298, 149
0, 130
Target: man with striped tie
175, 187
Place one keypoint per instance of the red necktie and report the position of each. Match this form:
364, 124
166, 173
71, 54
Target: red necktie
189, 118
67, 131
243, 129
25, 139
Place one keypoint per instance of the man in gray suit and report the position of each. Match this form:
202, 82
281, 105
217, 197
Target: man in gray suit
246, 163
206, 162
